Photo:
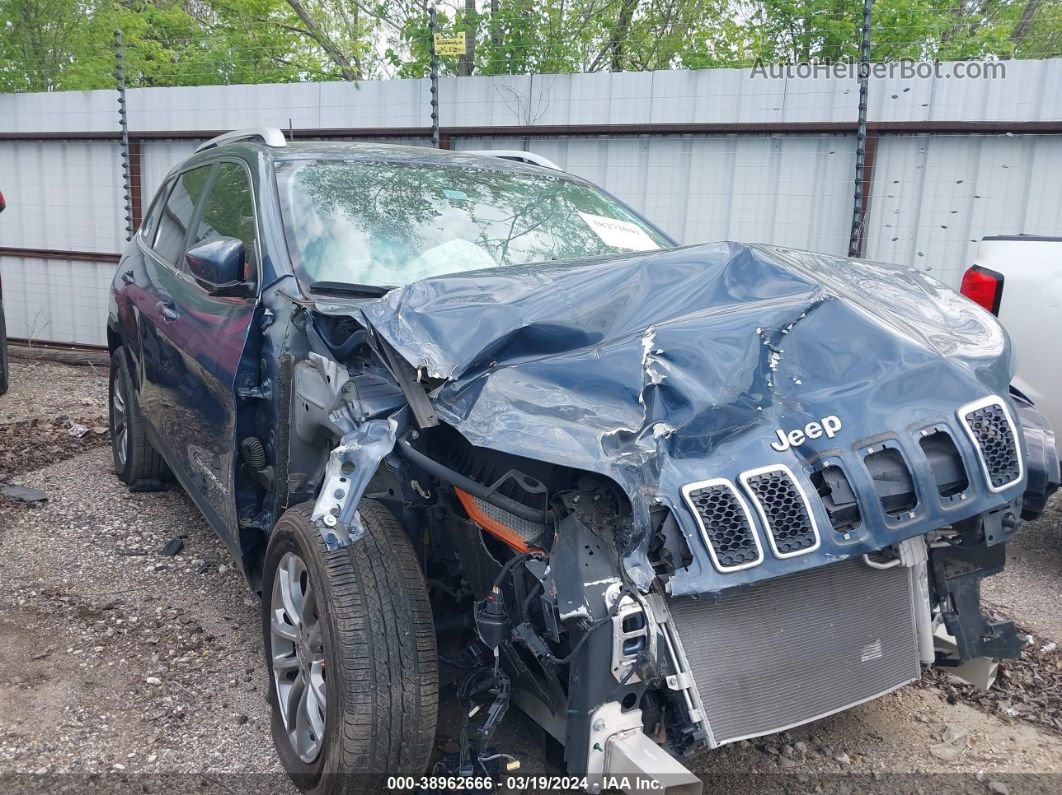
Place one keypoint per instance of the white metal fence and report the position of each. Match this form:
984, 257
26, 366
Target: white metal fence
707, 155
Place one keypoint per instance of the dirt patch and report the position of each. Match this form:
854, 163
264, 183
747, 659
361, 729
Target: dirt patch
1028, 690
1031, 587
51, 412
31, 444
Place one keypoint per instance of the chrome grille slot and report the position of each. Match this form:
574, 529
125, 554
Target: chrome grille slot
838, 498
725, 524
892, 479
990, 427
784, 509
946, 463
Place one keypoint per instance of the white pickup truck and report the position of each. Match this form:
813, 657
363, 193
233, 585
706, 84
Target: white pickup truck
1019, 279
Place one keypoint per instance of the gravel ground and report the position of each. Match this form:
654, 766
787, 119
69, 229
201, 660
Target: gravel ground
1031, 585
116, 660
45, 389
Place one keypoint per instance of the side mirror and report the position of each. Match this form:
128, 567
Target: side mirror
217, 264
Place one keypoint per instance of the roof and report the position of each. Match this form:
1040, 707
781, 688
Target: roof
366, 151
351, 150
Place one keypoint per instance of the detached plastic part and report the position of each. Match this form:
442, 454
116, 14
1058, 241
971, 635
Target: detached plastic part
979, 672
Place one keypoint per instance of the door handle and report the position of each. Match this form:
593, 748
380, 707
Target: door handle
128, 276
167, 310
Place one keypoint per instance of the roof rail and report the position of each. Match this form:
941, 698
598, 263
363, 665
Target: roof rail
270, 136
515, 154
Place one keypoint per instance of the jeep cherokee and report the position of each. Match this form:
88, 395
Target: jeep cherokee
467, 420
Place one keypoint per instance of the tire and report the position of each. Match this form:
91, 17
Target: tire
369, 631
136, 462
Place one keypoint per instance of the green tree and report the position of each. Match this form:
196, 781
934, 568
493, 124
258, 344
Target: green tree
48, 44
65, 44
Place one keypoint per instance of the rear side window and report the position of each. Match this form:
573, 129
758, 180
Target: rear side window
229, 212
148, 225
177, 214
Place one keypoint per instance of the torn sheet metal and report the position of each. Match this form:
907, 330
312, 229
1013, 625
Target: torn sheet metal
666, 368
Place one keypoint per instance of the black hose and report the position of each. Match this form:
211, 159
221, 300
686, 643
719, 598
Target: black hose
454, 478
528, 599
253, 452
510, 564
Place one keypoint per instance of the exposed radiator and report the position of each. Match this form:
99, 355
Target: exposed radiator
786, 651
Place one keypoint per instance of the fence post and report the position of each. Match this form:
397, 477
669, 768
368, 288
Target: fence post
119, 76
858, 208
434, 80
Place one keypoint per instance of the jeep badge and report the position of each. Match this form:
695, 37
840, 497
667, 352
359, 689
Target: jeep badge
813, 430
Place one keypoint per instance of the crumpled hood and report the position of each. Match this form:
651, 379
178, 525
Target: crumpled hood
667, 368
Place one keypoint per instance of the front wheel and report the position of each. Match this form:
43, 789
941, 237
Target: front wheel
350, 649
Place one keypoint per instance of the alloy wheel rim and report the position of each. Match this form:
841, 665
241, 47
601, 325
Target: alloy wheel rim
297, 649
119, 422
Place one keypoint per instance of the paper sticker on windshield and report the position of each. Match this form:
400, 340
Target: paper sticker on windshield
619, 234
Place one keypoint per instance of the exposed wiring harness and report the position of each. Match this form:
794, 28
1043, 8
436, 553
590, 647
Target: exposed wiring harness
594, 626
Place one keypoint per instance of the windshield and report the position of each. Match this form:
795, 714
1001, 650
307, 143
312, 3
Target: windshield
376, 223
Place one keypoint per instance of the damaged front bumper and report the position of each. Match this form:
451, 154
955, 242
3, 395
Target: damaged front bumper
772, 655
782, 653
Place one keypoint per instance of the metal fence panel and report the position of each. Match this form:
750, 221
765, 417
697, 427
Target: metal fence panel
56, 300
935, 197
932, 197
1028, 91
62, 195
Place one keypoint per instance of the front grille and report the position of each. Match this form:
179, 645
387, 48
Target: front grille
990, 427
784, 510
838, 498
725, 524
893, 480
785, 651
946, 462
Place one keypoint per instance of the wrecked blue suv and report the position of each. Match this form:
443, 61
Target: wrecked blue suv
469, 421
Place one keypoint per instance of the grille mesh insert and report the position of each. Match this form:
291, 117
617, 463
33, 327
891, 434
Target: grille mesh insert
792, 649
726, 525
991, 431
784, 511
526, 529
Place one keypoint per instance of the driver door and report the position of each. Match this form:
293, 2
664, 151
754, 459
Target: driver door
203, 337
